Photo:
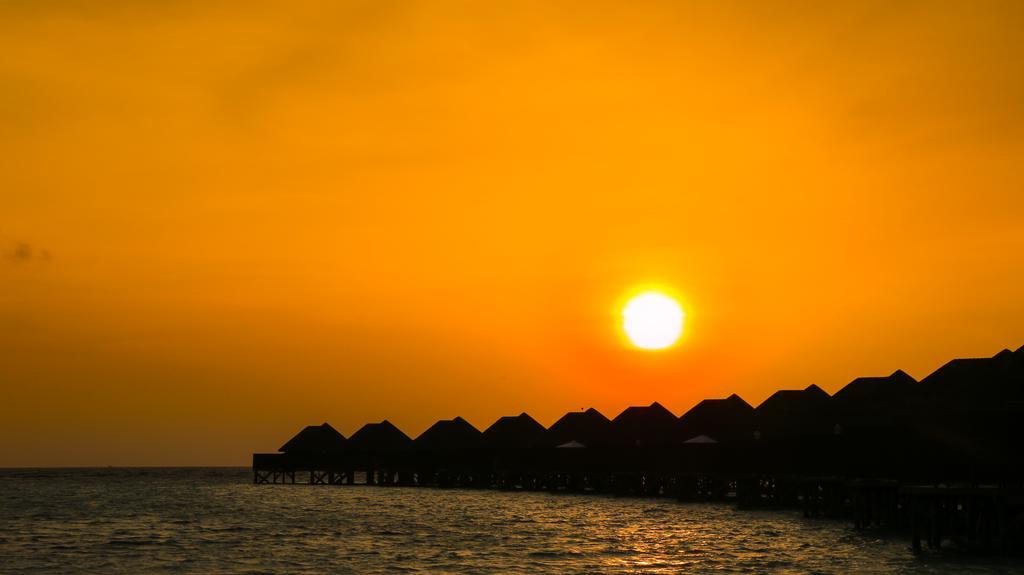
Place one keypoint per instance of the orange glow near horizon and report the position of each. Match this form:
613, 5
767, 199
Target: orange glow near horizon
221, 222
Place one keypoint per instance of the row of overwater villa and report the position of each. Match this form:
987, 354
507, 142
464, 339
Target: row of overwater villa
939, 457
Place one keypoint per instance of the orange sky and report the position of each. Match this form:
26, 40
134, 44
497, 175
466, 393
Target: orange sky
223, 221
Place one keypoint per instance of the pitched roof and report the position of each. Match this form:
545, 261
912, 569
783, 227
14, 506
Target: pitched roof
725, 419
793, 412
588, 427
730, 408
454, 433
957, 370
643, 412
814, 390
645, 425
315, 439
902, 377
977, 380
513, 431
864, 390
787, 402
383, 436
780, 397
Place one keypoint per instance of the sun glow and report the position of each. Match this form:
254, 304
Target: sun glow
652, 320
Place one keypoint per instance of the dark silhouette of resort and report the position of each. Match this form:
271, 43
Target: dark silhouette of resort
941, 456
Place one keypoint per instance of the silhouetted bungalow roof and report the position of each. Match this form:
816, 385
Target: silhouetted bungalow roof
721, 419
318, 439
814, 390
449, 434
866, 392
589, 428
790, 412
974, 401
998, 378
793, 401
383, 436
961, 370
645, 425
513, 431
958, 371
876, 405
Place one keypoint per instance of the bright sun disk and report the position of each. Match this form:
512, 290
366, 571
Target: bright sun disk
652, 320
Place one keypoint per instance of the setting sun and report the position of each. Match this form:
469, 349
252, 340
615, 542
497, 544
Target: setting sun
652, 320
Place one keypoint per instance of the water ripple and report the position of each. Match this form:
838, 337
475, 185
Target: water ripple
215, 521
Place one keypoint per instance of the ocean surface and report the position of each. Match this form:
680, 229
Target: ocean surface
216, 521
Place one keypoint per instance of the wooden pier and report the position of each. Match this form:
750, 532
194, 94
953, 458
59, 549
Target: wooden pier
982, 518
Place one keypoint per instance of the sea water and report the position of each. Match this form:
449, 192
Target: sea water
217, 521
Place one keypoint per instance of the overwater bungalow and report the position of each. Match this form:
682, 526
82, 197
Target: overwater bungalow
975, 405
650, 425
724, 420
513, 432
316, 440
588, 428
866, 390
454, 433
879, 449
380, 437
874, 405
794, 413
974, 380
